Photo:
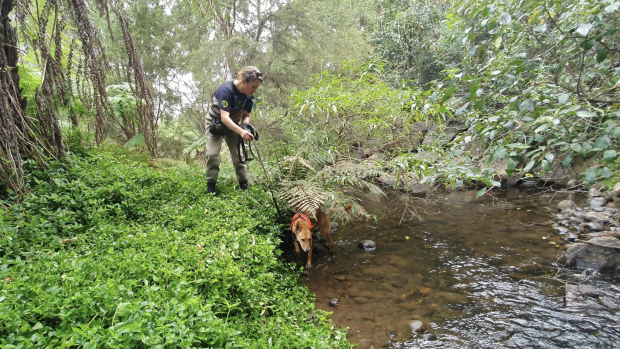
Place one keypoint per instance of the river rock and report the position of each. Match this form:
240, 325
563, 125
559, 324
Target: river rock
595, 193
615, 192
572, 236
429, 337
580, 214
367, 245
360, 300
565, 205
333, 226
559, 230
596, 217
582, 298
574, 220
443, 298
417, 326
594, 226
598, 202
572, 184
600, 254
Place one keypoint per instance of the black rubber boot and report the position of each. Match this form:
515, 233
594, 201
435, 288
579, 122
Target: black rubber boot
243, 185
211, 188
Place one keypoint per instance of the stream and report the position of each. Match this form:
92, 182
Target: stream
479, 273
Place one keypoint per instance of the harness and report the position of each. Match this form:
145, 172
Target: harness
301, 217
241, 150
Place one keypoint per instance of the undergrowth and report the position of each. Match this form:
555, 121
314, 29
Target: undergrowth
157, 263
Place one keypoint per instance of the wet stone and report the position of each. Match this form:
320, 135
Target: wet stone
560, 230
595, 193
340, 277
572, 184
572, 236
579, 214
425, 291
367, 245
598, 217
594, 226
565, 205
429, 337
417, 326
598, 202
575, 220
360, 300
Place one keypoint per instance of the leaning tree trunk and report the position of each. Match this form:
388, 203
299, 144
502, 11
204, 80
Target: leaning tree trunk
12, 123
148, 122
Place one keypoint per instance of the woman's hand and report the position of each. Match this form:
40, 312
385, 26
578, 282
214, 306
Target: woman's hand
246, 135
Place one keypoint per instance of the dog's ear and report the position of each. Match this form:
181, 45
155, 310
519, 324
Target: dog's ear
295, 228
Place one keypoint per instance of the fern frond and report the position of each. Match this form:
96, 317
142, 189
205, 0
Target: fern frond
296, 167
303, 196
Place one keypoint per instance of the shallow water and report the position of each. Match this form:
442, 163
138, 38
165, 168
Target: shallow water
479, 274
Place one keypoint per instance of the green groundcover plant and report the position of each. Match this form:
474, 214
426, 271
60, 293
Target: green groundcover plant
114, 255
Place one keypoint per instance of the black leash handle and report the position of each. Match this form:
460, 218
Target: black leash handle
241, 150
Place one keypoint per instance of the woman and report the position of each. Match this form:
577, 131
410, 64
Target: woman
231, 106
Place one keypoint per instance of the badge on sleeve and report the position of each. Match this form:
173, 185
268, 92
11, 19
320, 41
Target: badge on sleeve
224, 103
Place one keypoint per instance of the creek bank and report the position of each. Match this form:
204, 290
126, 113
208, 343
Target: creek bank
594, 231
431, 144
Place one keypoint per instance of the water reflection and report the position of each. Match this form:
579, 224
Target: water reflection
477, 272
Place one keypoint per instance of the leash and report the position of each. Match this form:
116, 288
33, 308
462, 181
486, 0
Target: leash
243, 158
241, 150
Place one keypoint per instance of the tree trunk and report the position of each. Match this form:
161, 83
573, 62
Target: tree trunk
11, 103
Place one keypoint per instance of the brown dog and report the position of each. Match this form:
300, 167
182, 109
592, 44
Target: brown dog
302, 229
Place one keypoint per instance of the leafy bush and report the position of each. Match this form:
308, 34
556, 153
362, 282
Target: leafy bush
120, 255
539, 80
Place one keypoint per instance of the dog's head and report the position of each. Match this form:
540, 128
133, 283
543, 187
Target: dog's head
303, 233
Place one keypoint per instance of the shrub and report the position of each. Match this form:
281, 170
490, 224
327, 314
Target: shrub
156, 263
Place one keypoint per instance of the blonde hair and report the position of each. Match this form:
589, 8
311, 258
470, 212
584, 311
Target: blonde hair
249, 73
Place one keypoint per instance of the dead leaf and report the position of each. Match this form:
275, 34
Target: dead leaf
69, 240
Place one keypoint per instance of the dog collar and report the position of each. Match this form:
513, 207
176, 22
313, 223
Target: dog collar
301, 217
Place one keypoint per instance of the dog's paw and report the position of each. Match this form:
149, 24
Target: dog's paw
308, 266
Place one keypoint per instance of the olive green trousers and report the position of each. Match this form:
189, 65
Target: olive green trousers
212, 152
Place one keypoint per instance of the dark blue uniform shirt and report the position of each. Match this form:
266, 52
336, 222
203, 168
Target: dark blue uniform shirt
227, 95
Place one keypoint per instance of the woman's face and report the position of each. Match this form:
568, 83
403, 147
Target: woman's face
251, 87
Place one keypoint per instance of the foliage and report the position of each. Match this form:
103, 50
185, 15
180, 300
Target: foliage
120, 255
541, 79
350, 107
407, 35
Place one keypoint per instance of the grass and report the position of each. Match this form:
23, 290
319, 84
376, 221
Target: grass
157, 263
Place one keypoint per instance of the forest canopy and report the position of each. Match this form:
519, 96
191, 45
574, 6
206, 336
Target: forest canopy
534, 83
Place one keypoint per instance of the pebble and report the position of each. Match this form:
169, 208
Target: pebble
594, 226
572, 236
598, 202
429, 337
595, 193
360, 300
367, 245
596, 217
417, 326
565, 205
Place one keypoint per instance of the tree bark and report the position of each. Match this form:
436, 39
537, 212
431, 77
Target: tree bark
11, 103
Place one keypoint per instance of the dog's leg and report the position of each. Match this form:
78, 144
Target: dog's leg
309, 262
324, 224
297, 247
